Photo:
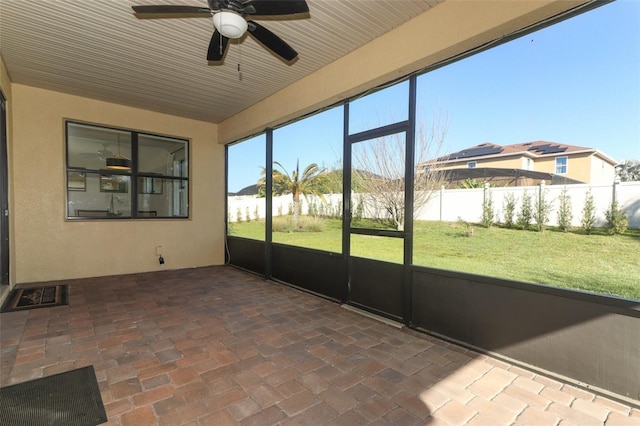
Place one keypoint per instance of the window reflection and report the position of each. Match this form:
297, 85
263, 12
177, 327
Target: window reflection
97, 189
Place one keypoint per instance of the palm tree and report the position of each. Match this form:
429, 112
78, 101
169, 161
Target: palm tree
311, 181
470, 184
629, 170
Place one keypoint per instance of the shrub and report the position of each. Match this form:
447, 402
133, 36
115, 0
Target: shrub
470, 184
542, 211
509, 209
313, 208
282, 224
588, 220
238, 215
565, 216
334, 212
526, 211
311, 224
256, 213
616, 219
247, 215
488, 212
305, 224
359, 210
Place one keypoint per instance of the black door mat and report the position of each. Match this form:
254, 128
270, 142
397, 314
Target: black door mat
21, 299
66, 399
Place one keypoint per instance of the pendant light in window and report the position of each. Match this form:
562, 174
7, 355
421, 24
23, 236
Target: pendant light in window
119, 161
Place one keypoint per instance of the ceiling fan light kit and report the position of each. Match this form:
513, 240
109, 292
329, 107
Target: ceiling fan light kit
230, 24
230, 20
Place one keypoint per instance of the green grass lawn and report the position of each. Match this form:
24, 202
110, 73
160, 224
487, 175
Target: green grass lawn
599, 263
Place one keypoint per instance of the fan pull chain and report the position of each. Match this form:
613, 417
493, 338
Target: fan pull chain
239, 61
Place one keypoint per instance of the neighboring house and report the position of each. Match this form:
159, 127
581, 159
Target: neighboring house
527, 164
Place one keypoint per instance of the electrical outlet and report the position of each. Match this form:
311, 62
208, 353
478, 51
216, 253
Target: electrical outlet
158, 250
161, 260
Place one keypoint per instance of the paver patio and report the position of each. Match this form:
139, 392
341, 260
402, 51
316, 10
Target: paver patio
218, 346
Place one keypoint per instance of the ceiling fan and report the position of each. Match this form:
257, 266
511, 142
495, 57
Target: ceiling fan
230, 22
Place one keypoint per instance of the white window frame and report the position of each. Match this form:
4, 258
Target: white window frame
472, 164
564, 168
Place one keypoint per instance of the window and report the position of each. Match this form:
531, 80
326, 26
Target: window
453, 216
246, 202
111, 170
312, 170
380, 108
561, 165
472, 164
451, 231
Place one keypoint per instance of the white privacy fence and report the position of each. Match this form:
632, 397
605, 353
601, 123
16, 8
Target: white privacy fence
243, 207
466, 204
451, 205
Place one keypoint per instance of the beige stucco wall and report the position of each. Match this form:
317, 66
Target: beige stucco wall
602, 171
49, 247
448, 29
513, 162
5, 87
578, 166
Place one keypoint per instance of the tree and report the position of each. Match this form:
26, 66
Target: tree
526, 211
488, 211
588, 220
616, 219
379, 171
629, 171
311, 181
565, 215
541, 210
509, 207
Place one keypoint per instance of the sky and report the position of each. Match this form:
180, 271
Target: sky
576, 82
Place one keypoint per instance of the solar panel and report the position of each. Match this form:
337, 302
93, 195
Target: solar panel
554, 149
548, 149
475, 152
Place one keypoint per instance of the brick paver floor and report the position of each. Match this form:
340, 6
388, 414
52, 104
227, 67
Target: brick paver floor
218, 346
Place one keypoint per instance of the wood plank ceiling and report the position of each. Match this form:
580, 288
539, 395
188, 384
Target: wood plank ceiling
99, 49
